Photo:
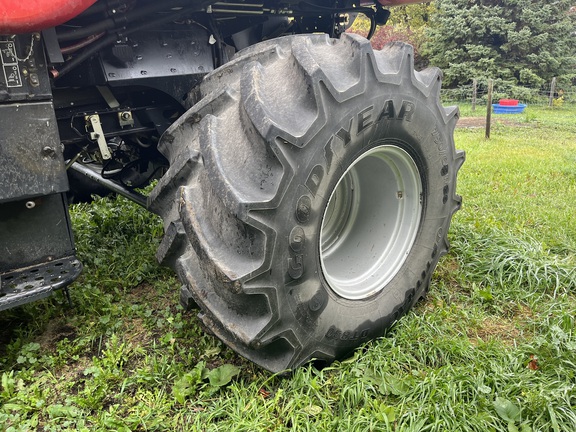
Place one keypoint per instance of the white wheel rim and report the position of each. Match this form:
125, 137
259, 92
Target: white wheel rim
370, 222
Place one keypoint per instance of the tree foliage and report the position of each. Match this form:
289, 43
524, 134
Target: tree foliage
521, 42
388, 33
412, 16
406, 24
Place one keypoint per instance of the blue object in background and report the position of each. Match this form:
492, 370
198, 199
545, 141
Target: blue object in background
508, 109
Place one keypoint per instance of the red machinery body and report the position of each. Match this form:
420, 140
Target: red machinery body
33, 15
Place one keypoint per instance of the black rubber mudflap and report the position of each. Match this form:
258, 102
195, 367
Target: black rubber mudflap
36, 282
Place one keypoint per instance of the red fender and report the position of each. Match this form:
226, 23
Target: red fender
24, 16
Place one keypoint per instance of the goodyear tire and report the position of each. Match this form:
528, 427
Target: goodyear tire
309, 196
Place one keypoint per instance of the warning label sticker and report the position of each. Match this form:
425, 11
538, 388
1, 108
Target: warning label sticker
10, 64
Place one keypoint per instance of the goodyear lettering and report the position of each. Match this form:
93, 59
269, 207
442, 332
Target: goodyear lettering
328, 153
406, 111
364, 119
344, 134
388, 112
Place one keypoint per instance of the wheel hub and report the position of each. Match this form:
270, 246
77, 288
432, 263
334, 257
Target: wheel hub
370, 222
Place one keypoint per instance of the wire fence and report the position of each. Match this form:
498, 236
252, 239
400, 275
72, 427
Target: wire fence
547, 95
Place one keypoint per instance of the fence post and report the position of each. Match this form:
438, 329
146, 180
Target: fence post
474, 93
489, 108
552, 92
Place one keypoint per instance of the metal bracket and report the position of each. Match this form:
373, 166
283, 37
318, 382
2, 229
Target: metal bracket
98, 135
125, 119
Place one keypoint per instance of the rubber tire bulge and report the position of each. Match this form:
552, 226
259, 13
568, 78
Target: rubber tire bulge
254, 165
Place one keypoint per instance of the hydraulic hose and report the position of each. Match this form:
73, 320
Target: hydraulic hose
123, 20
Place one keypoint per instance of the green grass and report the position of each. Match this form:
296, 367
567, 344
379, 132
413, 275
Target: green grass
493, 347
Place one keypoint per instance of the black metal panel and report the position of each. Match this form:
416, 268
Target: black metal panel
34, 231
172, 60
158, 54
31, 161
24, 75
36, 245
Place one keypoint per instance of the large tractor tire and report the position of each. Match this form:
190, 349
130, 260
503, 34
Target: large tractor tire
309, 196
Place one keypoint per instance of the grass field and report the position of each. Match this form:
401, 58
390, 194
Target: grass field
492, 348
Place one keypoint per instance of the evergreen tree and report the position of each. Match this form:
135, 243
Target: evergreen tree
520, 42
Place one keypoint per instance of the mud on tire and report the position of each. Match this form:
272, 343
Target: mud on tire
309, 196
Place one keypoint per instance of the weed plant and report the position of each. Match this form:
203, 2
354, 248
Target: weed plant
492, 348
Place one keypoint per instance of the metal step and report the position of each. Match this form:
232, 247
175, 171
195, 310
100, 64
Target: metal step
21, 286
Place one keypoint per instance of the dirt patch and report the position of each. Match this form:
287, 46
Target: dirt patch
503, 330
56, 331
145, 293
480, 122
506, 330
72, 373
136, 333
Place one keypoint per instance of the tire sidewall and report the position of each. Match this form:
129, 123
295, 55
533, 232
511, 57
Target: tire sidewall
392, 117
